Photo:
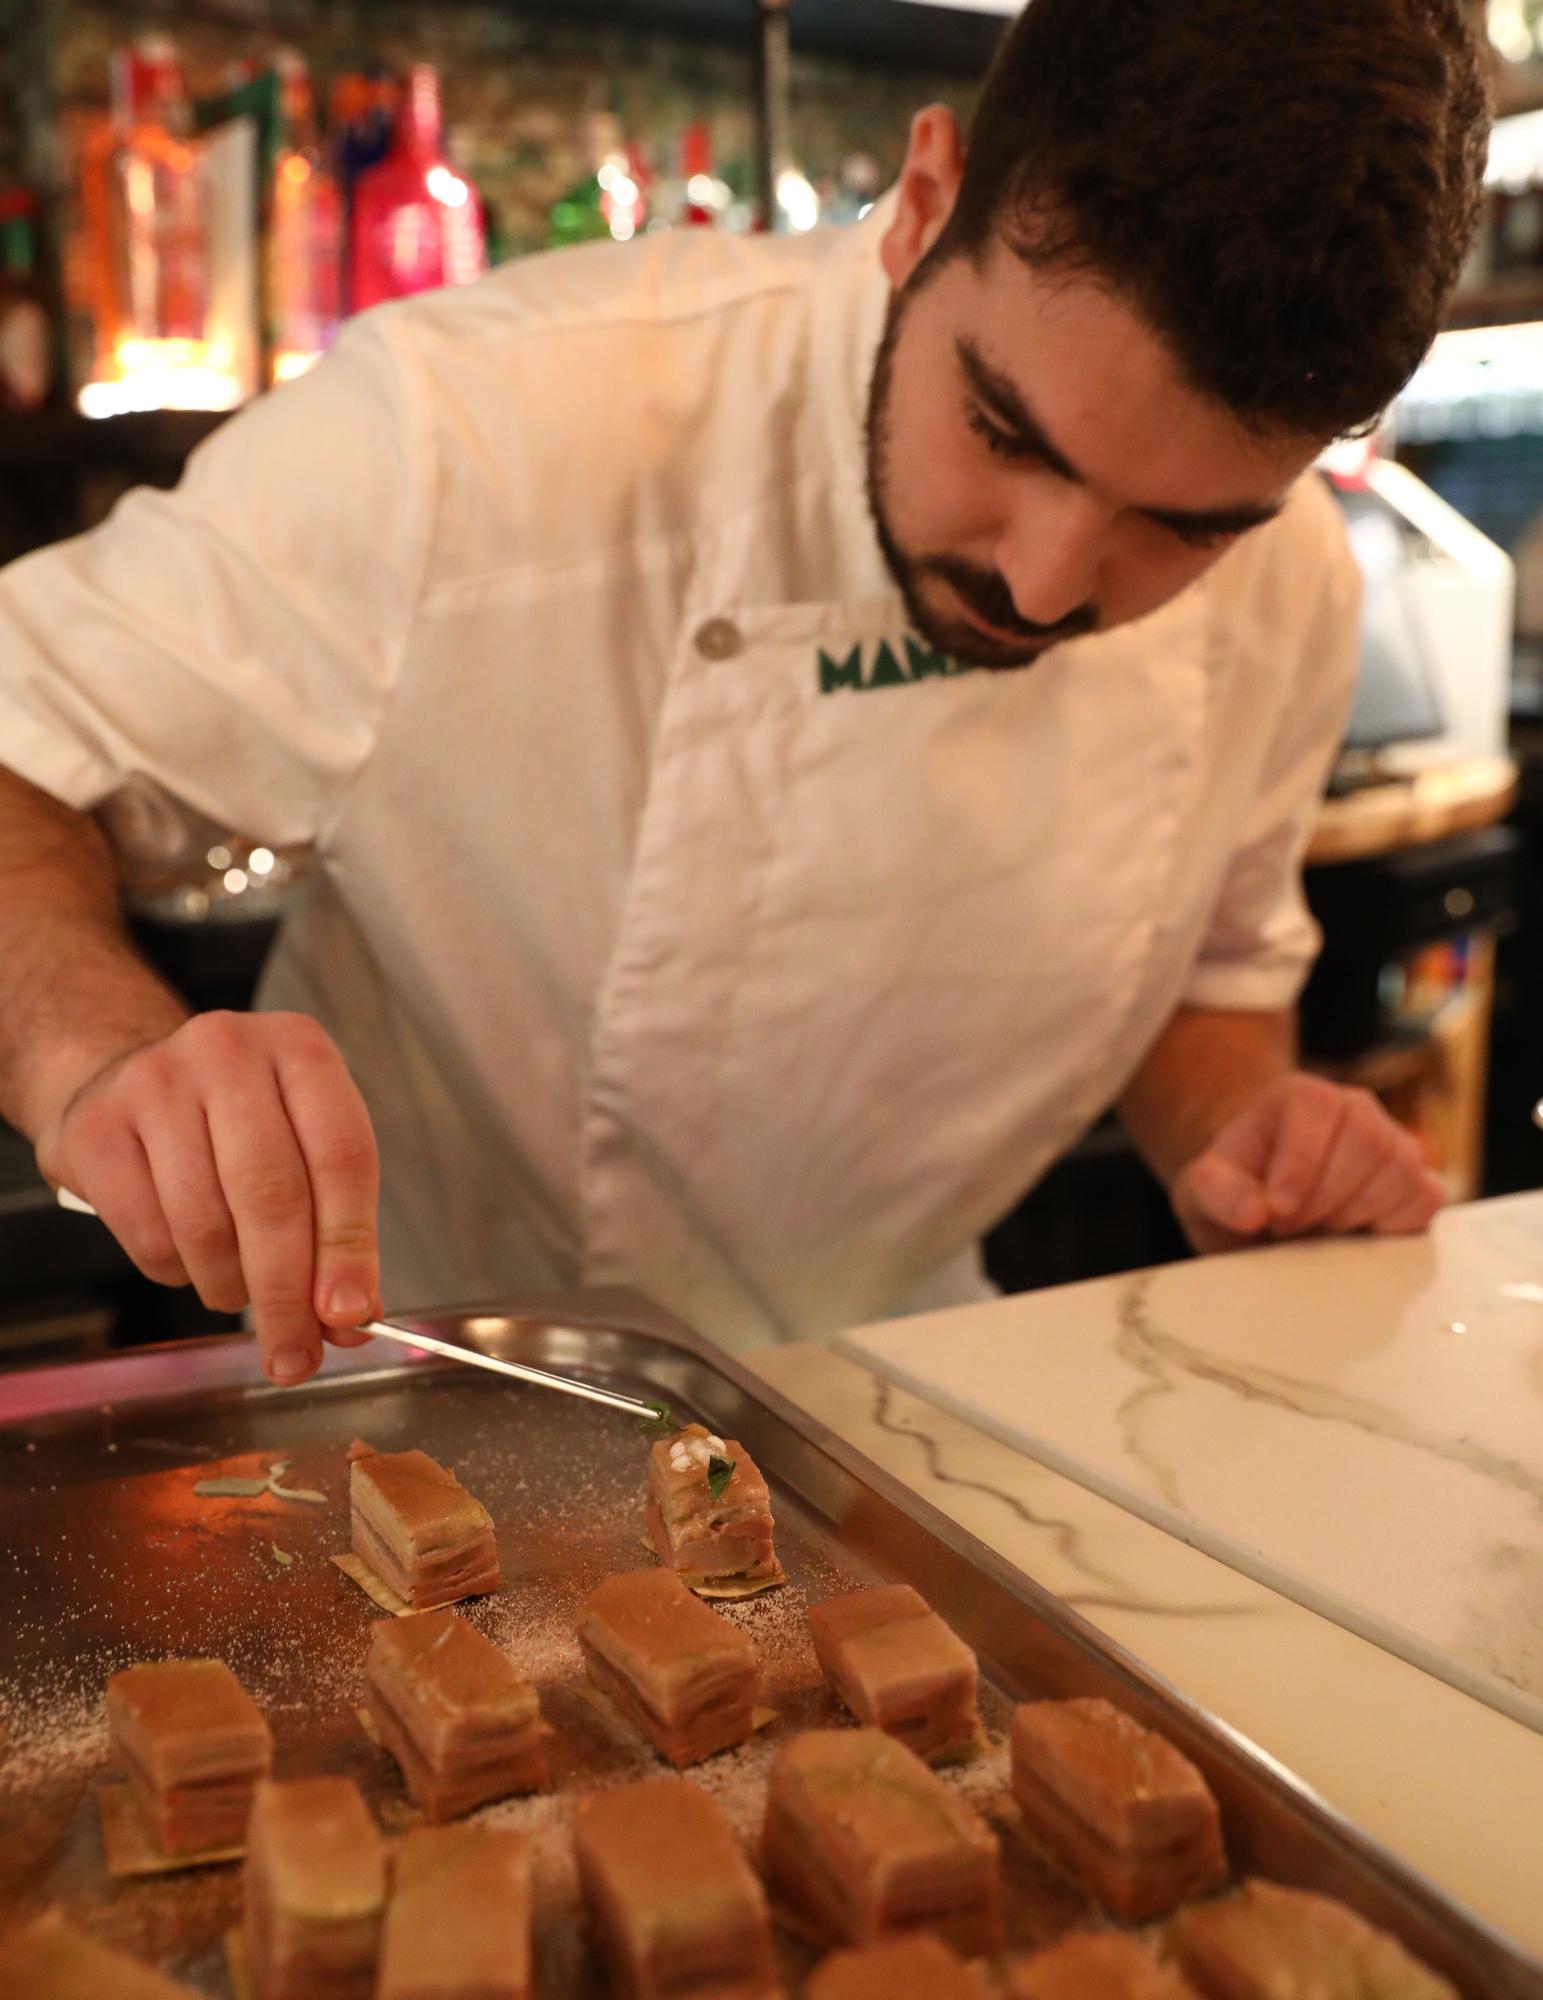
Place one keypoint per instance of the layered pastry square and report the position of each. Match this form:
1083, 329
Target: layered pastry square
420, 1530
679, 1673
193, 1744
1268, 1942
674, 1906
1097, 1966
458, 1923
46, 1960
899, 1668
919, 1967
708, 1511
454, 1712
865, 1843
315, 1891
1118, 1807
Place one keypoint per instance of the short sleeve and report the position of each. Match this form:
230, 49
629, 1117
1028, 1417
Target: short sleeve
1262, 940
236, 640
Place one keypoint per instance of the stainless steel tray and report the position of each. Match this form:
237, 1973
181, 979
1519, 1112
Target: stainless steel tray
106, 1555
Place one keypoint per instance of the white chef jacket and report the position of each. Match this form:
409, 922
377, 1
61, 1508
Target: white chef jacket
685, 921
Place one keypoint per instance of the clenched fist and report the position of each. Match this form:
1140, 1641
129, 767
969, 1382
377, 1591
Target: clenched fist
1305, 1157
235, 1154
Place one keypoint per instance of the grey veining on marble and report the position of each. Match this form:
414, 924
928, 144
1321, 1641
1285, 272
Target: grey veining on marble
1092, 1582
1163, 1357
1449, 1782
1357, 1424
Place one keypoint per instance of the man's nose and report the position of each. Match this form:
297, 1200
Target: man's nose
1052, 551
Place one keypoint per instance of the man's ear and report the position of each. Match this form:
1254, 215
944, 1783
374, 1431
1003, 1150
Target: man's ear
925, 192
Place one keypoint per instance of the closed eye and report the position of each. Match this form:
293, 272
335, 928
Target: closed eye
1006, 444
1012, 444
1201, 538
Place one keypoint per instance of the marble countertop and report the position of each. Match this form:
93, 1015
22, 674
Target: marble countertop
1355, 1424
1447, 1782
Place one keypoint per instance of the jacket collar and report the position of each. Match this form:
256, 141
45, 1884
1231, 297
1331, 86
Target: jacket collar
850, 304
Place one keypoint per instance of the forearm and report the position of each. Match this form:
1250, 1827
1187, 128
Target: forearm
74, 993
1202, 1069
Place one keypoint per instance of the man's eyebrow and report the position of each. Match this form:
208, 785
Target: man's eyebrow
1005, 400
1215, 520
1002, 396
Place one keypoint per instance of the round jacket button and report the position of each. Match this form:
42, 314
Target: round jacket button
718, 639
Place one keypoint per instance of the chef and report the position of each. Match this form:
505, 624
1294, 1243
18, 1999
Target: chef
788, 730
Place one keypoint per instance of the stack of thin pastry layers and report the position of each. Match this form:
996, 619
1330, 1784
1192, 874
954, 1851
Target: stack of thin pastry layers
899, 1668
1268, 1942
1262, 1942
315, 1891
708, 1536
420, 1530
330, 1916
864, 1843
1097, 1965
193, 1745
1121, 1809
674, 1906
681, 1674
458, 1923
454, 1712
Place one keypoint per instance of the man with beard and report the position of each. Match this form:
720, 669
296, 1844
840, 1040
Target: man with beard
788, 730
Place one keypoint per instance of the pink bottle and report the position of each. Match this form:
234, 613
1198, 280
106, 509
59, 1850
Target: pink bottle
416, 222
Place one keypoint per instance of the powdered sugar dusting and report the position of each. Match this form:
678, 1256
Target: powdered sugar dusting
108, 1560
62, 1735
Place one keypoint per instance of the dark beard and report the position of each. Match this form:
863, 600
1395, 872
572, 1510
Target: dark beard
983, 591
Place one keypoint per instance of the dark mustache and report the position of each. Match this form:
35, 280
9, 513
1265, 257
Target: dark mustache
986, 593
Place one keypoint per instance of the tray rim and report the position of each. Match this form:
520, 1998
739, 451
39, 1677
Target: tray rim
218, 1370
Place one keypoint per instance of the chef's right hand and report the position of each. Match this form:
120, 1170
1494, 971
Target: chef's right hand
236, 1154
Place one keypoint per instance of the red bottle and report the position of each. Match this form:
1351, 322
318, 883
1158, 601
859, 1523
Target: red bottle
705, 196
417, 223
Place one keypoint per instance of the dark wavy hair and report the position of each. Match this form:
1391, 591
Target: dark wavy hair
1284, 189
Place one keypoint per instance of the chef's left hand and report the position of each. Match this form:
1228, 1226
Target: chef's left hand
1306, 1157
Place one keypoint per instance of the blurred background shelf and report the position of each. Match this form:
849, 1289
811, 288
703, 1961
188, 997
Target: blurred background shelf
1500, 303
890, 31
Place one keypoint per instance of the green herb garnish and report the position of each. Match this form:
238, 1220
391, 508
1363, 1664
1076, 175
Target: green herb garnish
251, 1489
281, 1556
719, 1472
660, 1424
